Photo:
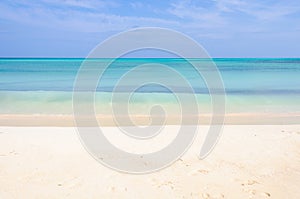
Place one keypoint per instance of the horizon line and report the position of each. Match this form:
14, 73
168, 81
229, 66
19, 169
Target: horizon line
150, 58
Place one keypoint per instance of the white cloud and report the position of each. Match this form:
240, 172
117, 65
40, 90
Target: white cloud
260, 9
215, 19
137, 5
188, 9
225, 18
46, 14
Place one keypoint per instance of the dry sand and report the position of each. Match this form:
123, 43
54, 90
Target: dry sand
250, 161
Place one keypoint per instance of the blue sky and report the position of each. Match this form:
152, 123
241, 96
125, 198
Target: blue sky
226, 28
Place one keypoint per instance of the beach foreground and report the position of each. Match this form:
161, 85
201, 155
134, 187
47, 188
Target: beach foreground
250, 161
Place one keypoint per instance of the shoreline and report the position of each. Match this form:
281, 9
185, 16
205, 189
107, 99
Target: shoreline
61, 120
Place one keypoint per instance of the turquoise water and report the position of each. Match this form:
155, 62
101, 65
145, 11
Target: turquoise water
247, 76
45, 85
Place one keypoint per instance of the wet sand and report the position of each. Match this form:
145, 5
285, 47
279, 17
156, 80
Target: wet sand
66, 120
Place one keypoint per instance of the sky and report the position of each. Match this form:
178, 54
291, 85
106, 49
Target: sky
225, 28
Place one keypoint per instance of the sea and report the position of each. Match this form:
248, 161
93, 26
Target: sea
251, 85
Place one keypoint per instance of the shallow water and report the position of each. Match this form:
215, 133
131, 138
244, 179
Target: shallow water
45, 86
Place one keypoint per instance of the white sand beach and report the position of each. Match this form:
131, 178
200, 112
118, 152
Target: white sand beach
250, 161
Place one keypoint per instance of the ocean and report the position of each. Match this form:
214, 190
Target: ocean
252, 85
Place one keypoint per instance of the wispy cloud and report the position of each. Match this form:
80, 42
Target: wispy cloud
230, 16
46, 14
206, 19
217, 9
262, 10
185, 15
137, 5
66, 4
187, 10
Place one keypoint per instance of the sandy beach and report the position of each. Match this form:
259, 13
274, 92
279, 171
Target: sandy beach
178, 99
249, 161
66, 120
